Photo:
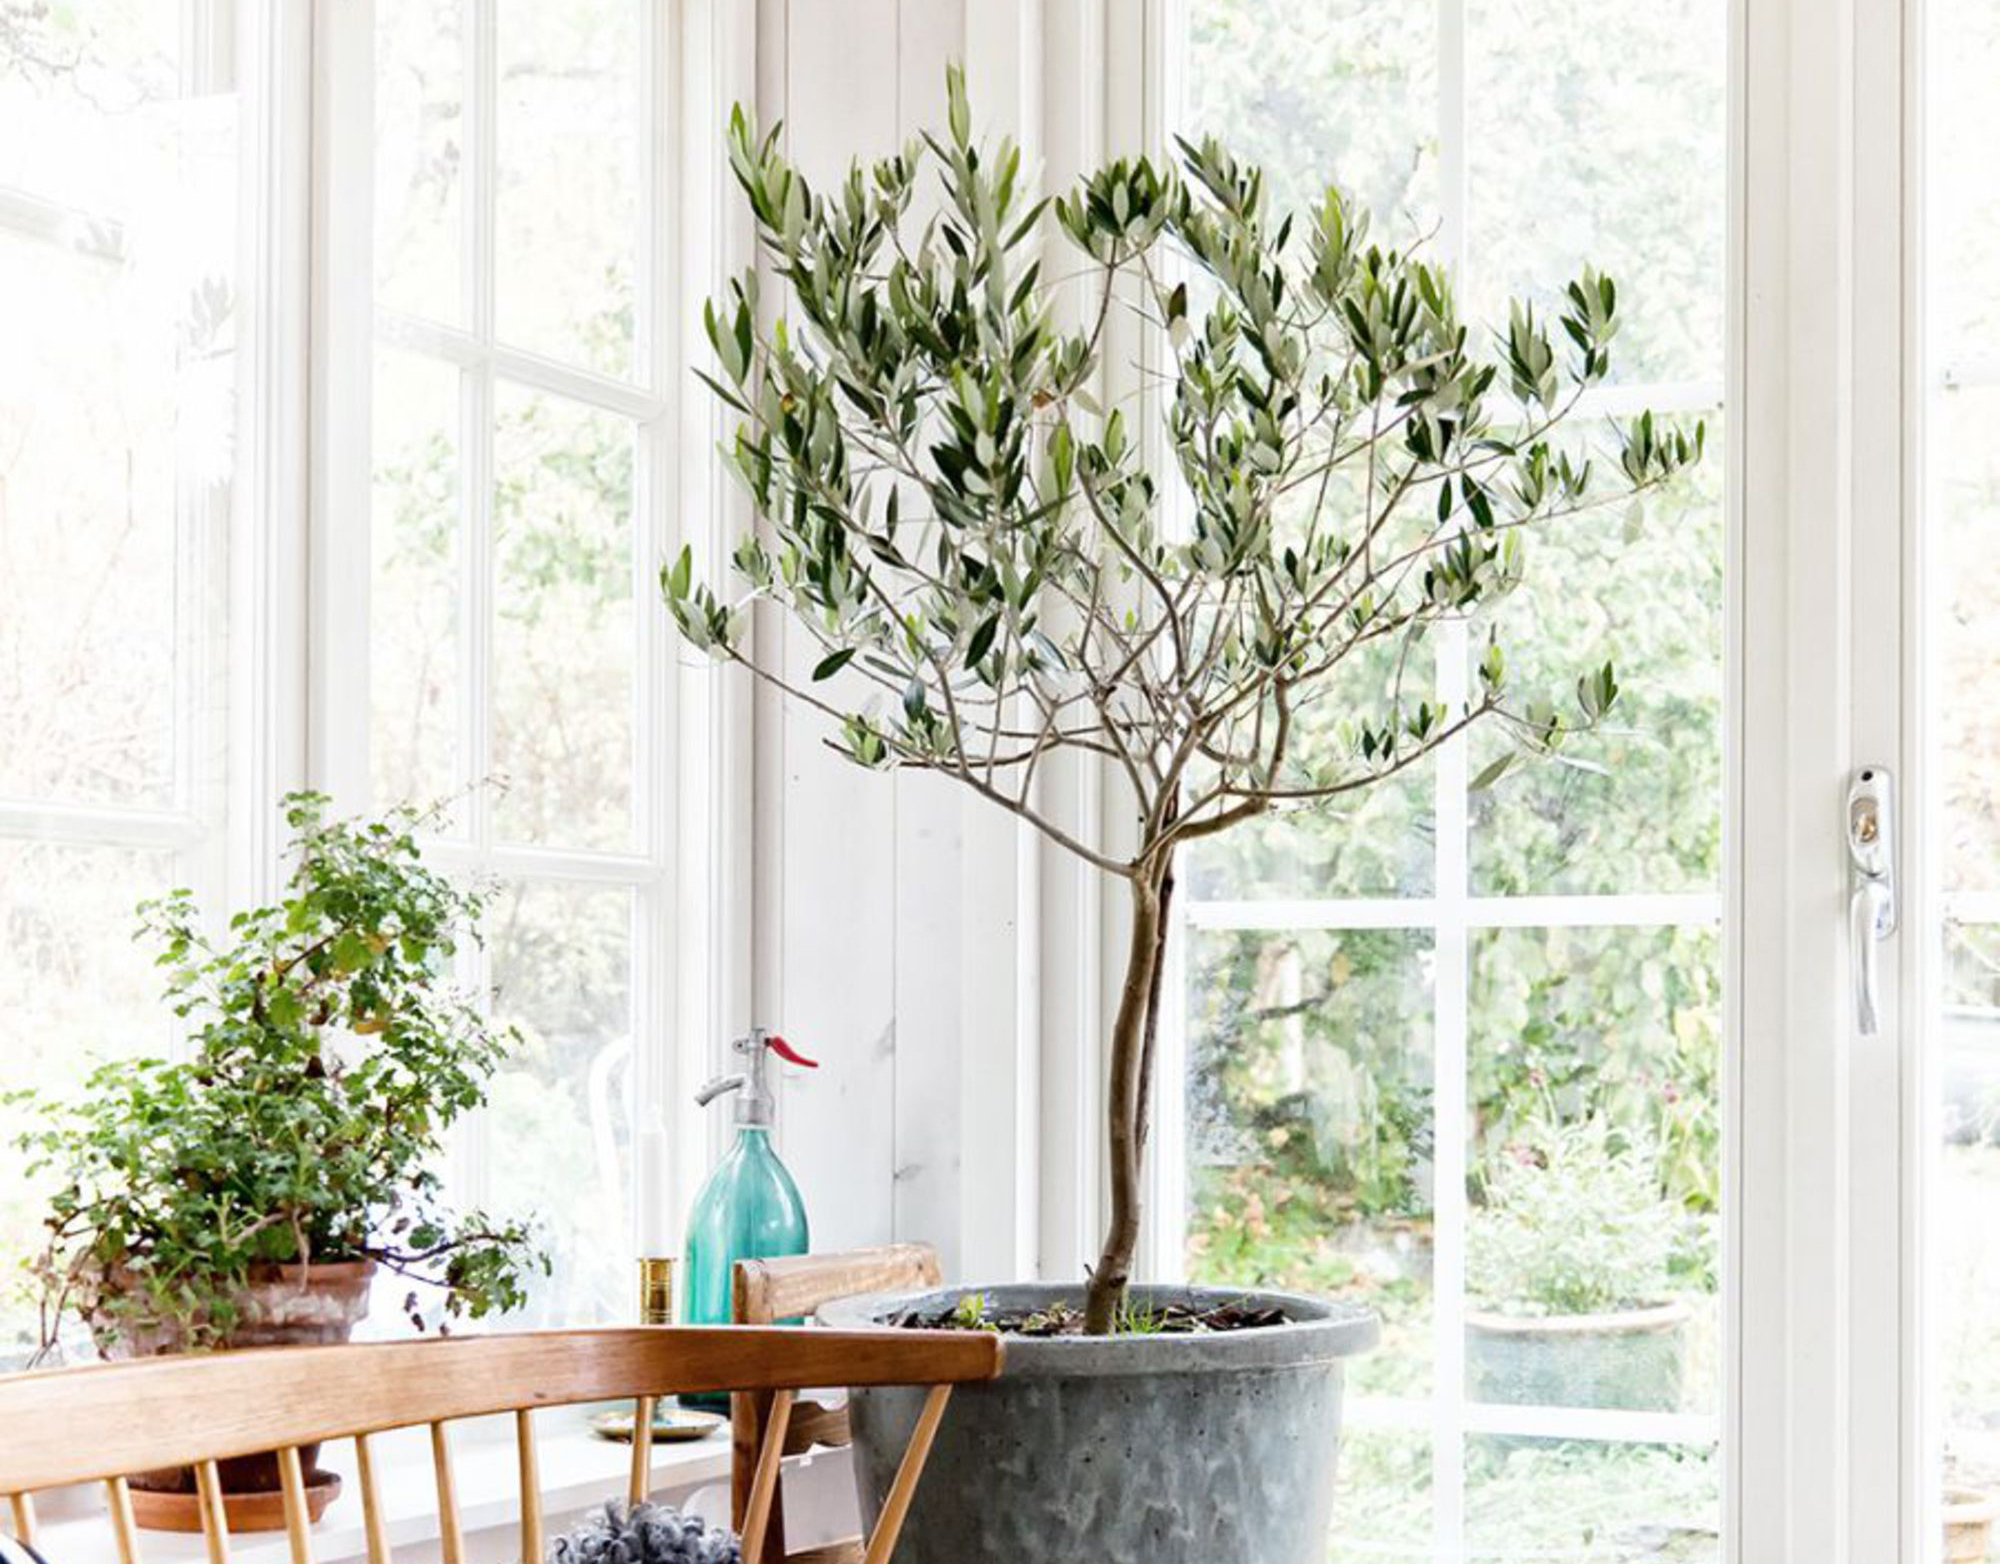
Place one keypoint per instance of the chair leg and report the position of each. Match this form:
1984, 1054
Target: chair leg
896, 1507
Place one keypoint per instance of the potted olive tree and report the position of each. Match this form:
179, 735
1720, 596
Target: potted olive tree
249, 1193
1220, 593
1570, 1261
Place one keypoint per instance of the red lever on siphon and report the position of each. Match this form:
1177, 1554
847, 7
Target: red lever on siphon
789, 1054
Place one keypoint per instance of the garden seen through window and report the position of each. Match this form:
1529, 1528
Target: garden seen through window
510, 424
125, 308
1457, 1052
520, 436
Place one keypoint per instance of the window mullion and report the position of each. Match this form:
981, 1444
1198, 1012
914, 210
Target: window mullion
1451, 1028
654, 973
476, 589
456, 345
1451, 950
341, 347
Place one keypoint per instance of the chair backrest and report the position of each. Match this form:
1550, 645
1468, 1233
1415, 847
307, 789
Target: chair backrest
766, 1291
106, 1422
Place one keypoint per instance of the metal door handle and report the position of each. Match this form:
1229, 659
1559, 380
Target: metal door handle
1871, 814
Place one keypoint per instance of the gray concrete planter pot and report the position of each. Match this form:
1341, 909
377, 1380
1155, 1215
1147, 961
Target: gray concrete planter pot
1630, 1361
1162, 1449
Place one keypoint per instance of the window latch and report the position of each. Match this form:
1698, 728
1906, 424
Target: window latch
1871, 915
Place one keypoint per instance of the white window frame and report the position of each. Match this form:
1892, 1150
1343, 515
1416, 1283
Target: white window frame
1821, 1427
290, 665
1454, 917
687, 865
229, 753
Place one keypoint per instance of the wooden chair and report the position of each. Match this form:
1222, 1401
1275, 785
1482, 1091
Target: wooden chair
766, 1291
100, 1424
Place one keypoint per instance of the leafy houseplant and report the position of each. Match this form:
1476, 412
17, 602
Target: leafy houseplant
1571, 1259
301, 1131
998, 567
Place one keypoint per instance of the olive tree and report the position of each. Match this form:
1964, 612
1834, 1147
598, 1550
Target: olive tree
999, 561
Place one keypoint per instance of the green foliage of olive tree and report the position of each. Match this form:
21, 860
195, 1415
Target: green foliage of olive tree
305, 1125
988, 559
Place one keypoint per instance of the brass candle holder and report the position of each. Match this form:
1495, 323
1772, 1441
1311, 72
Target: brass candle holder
656, 1292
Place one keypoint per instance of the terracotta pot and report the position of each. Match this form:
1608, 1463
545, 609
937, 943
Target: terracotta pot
280, 1306
1969, 1514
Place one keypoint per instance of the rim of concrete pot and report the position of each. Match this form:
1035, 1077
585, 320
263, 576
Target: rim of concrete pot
1316, 1330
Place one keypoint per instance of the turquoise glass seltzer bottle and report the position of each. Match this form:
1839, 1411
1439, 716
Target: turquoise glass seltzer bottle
749, 1209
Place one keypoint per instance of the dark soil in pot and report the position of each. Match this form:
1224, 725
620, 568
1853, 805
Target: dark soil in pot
1195, 1445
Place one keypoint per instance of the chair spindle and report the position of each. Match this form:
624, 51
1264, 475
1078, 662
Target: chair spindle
118, 1500
298, 1518
531, 1488
764, 1487
642, 1452
451, 1538
901, 1491
371, 1504
214, 1518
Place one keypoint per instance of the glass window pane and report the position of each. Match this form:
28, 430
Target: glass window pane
1961, 483
74, 989
1637, 805
1963, 1193
564, 649
1962, 202
1597, 135
1384, 844
1595, 1168
98, 93
1382, 1511
118, 307
1591, 1503
1965, 530
566, 211
557, 1131
1341, 90
420, 61
414, 646
1310, 1126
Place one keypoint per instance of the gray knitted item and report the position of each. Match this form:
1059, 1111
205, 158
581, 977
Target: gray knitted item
645, 1534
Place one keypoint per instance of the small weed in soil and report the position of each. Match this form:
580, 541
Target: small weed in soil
1064, 1319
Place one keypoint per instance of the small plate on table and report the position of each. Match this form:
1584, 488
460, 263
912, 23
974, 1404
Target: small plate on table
671, 1424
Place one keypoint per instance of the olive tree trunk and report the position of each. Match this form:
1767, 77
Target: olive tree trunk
1128, 1108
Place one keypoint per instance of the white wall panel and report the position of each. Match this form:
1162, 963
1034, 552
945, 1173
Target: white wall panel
895, 918
835, 964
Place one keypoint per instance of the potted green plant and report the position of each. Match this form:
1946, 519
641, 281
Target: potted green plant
1971, 1503
249, 1193
1570, 1258
1213, 594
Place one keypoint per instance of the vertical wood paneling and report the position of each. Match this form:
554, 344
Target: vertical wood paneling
998, 1111
837, 925
932, 34
898, 919
930, 976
